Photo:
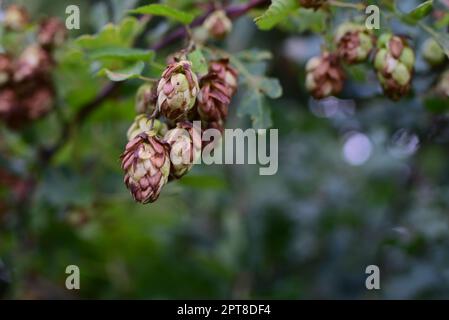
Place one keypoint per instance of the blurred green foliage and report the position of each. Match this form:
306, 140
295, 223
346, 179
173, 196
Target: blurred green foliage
224, 231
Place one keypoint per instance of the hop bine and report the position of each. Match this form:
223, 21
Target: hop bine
143, 124
354, 43
146, 164
177, 90
394, 63
312, 4
324, 77
185, 147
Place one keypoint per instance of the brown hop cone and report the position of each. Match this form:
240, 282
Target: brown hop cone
32, 62
146, 164
38, 102
16, 18
225, 73
8, 104
218, 25
214, 98
312, 4
146, 99
5, 68
52, 33
324, 77
185, 147
394, 63
354, 43
177, 90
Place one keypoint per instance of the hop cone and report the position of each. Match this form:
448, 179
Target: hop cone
218, 25
354, 43
185, 146
32, 62
143, 124
324, 76
146, 164
394, 63
214, 98
146, 99
313, 4
52, 33
433, 53
225, 73
5, 68
177, 90
15, 18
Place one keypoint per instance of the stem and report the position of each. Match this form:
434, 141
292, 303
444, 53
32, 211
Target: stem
341, 4
148, 79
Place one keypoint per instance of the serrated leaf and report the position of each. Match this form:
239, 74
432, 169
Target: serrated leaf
253, 104
420, 11
133, 71
165, 11
276, 12
129, 54
199, 63
121, 35
271, 87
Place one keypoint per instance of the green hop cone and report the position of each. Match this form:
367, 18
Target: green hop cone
142, 124
146, 99
185, 147
433, 53
354, 42
177, 90
394, 64
146, 164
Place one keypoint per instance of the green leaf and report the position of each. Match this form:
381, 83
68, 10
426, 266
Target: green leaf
129, 54
199, 63
441, 37
133, 71
420, 11
253, 104
271, 87
165, 11
121, 35
279, 10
